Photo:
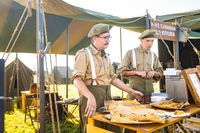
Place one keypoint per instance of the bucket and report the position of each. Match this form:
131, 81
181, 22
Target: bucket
9, 104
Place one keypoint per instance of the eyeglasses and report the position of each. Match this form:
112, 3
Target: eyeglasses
149, 40
105, 37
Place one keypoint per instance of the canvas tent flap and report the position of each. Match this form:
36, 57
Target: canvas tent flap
26, 42
76, 32
61, 8
174, 16
62, 19
194, 35
25, 75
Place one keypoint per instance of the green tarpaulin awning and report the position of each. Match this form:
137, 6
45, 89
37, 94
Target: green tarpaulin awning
190, 19
194, 35
59, 16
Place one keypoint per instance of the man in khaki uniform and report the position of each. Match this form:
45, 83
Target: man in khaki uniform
142, 66
93, 73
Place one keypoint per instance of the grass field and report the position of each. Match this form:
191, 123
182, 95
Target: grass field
14, 121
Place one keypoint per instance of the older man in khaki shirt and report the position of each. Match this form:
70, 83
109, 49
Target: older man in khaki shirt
142, 66
93, 73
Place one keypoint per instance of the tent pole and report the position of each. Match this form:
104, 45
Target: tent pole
67, 59
40, 48
176, 50
2, 94
17, 68
56, 70
120, 32
148, 25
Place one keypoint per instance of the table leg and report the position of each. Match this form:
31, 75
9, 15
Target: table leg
182, 127
74, 108
69, 114
23, 102
122, 130
171, 129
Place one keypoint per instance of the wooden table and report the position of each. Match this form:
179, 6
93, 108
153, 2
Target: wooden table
192, 109
23, 94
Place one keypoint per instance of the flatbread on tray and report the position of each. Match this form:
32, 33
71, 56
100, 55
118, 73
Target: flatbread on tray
128, 104
169, 104
135, 116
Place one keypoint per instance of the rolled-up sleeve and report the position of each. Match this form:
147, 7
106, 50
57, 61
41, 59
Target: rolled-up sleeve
80, 65
125, 65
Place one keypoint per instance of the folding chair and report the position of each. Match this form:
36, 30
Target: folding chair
31, 103
60, 109
69, 113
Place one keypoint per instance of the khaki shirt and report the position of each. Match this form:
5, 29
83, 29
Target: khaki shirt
103, 67
143, 63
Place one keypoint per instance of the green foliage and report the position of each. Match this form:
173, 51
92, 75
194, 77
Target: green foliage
14, 123
67, 127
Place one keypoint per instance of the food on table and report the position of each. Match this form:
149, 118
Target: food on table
179, 112
135, 116
126, 104
160, 111
170, 104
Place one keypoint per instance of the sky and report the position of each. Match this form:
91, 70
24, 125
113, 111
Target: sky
133, 8
124, 9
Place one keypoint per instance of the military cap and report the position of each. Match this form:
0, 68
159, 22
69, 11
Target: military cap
98, 29
147, 34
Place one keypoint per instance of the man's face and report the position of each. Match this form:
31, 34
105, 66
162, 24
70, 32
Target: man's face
147, 43
102, 40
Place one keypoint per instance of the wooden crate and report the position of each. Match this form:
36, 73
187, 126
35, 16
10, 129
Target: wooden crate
192, 79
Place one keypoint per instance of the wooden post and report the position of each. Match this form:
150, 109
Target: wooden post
67, 63
2, 87
176, 50
40, 48
120, 31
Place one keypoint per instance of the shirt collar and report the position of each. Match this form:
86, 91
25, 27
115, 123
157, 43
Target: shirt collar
94, 50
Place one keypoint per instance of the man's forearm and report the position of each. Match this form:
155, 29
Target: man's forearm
119, 84
130, 73
82, 88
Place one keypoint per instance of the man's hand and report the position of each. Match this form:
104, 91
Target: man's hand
150, 74
91, 101
141, 74
91, 106
138, 95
